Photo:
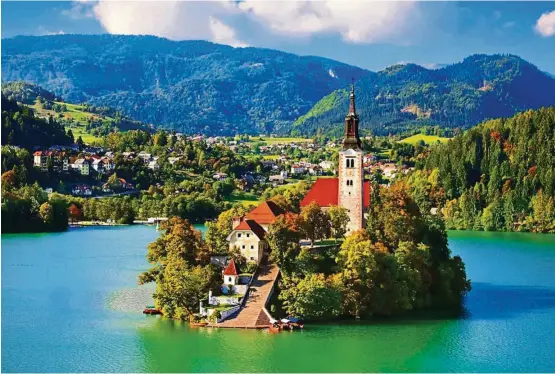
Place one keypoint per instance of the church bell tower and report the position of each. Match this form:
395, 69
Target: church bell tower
351, 172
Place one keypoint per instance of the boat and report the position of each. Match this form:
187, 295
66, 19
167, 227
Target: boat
151, 309
198, 324
290, 324
274, 328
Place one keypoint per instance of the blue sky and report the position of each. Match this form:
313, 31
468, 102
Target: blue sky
368, 34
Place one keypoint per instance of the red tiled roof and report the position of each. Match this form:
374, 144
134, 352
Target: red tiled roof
230, 268
325, 192
366, 192
266, 213
251, 225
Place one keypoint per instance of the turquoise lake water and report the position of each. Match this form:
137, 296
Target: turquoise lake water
70, 303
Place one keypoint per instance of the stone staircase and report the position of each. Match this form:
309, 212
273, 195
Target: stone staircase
252, 315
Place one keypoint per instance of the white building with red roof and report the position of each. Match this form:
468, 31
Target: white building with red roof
249, 232
249, 237
230, 274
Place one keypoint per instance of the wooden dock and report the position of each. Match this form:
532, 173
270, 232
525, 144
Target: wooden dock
252, 315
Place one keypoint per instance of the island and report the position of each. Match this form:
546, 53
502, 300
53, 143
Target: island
349, 248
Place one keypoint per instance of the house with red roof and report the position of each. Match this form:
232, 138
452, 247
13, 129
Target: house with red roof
230, 274
59, 160
249, 237
265, 214
249, 232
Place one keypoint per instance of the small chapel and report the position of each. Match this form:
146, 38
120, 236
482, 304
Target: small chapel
349, 190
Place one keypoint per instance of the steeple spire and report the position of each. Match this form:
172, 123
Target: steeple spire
352, 108
351, 138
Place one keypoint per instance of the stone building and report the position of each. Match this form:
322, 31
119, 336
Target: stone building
349, 190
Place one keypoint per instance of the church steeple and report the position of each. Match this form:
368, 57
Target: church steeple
352, 109
351, 139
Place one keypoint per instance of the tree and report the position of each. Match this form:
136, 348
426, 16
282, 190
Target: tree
543, 211
283, 241
47, 214
183, 287
314, 223
181, 269
113, 182
218, 231
314, 297
75, 212
492, 216
70, 135
358, 266
339, 218
395, 216
80, 142
8, 180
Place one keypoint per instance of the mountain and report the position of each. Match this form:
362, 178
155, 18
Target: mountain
88, 121
459, 95
190, 86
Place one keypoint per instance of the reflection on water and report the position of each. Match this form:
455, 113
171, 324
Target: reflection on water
70, 303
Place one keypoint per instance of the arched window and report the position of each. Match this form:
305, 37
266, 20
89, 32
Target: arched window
353, 163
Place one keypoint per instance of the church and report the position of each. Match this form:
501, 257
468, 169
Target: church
349, 190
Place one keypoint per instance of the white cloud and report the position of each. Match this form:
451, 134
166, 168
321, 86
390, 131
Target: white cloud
355, 21
79, 9
223, 34
154, 18
545, 26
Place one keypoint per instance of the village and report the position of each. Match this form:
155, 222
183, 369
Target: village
281, 162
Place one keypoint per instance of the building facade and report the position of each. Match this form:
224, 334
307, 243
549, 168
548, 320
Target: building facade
351, 172
249, 237
349, 190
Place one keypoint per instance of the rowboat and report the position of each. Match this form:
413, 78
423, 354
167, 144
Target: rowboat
151, 309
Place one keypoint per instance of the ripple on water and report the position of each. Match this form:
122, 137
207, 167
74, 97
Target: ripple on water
129, 300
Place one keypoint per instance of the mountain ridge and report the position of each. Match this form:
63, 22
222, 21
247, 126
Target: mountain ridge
203, 87
463, 94
191, 86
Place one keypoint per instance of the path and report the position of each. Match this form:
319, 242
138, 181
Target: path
251, 316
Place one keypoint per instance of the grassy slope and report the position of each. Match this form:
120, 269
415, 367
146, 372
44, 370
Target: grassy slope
326, 104
267, 140
79, 116
428, 139
244, 198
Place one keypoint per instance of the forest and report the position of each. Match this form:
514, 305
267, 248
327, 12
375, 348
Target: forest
22, 128
499, 175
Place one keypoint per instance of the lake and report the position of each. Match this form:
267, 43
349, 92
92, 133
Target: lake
70, 303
